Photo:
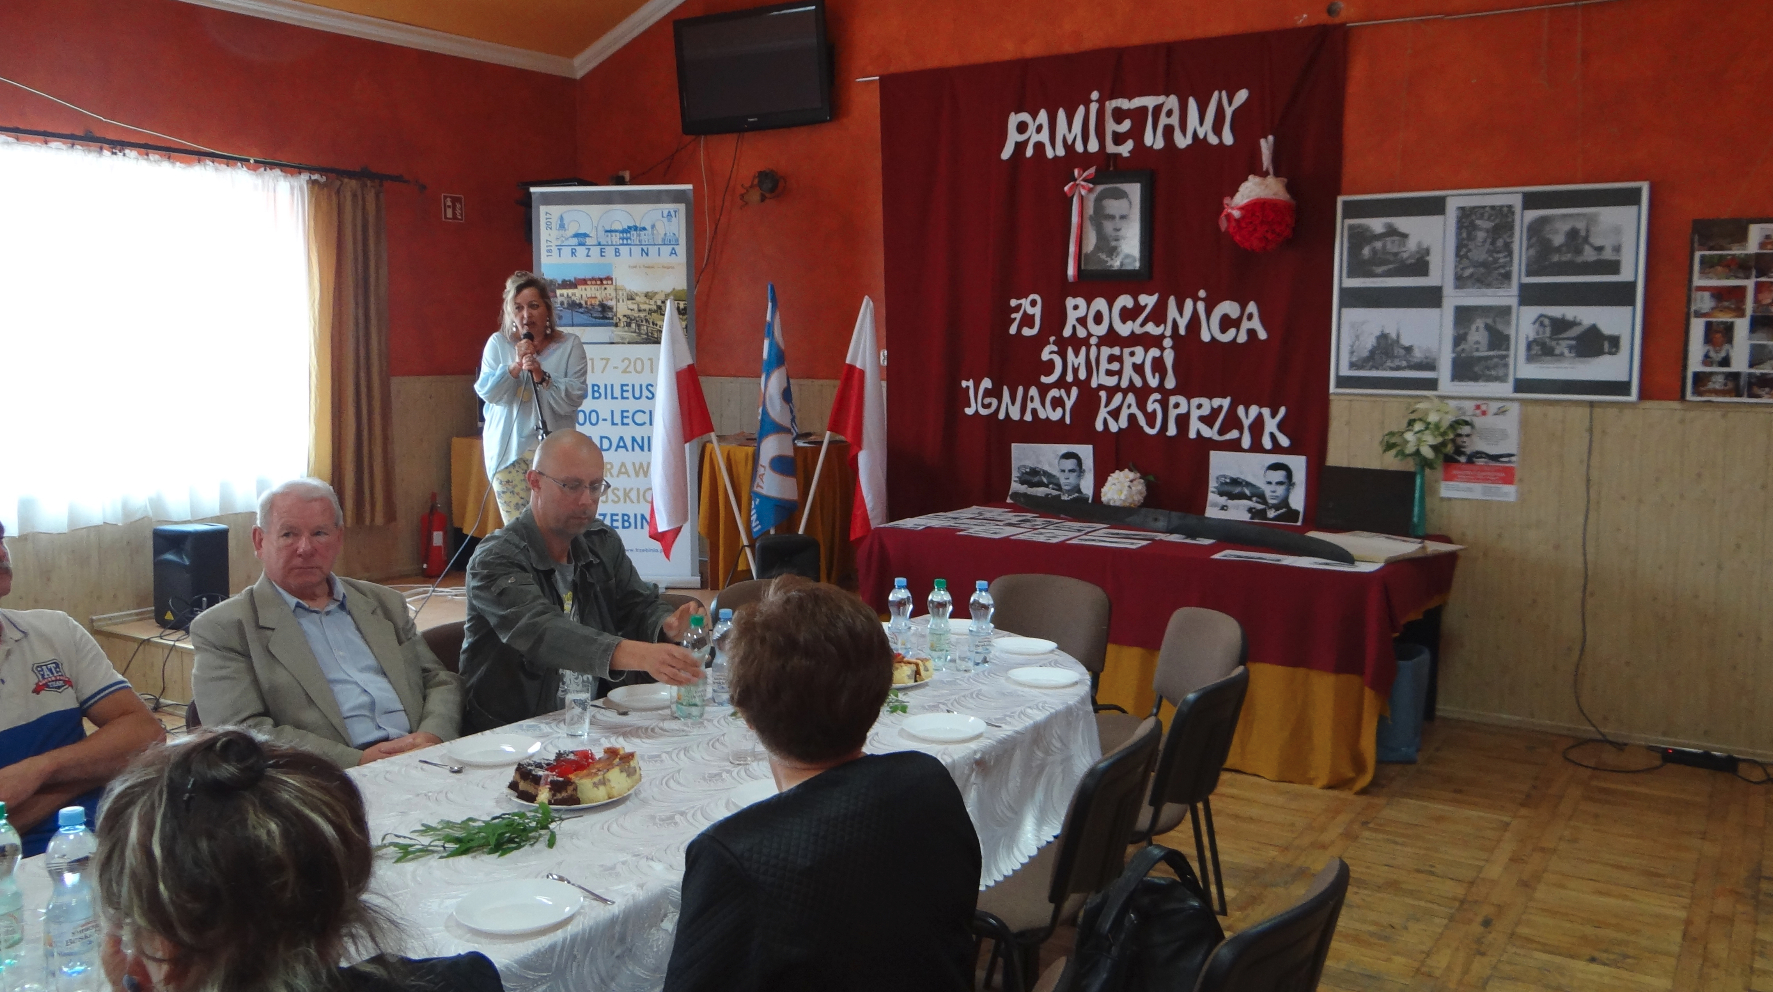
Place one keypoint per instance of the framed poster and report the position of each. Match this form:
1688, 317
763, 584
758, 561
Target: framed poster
1729, 356
614, 258
1117, 237
1525, 292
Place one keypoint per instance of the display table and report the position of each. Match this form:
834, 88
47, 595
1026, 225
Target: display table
1320, 642
1017, 782
470, 493
829, 522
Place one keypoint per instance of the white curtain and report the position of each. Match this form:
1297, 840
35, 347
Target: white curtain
155, 332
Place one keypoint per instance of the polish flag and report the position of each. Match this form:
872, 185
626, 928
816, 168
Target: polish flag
680, 418
858, 415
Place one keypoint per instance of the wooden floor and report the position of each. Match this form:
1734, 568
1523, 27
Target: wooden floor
1495, 864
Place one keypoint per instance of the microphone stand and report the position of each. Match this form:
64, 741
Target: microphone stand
535, 393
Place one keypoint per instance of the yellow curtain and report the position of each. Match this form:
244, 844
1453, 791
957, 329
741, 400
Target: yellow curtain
353, 417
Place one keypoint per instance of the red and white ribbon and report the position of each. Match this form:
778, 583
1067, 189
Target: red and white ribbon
1076, 188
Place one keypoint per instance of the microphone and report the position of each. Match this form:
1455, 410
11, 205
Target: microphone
536, 395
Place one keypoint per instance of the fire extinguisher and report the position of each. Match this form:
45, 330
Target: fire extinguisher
434, 527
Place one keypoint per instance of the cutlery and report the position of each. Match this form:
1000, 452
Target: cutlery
556, 877
981, 719
453, 769
604, 705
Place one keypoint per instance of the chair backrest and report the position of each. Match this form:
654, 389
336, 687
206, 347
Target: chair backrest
445, 641
1092, 849
1284, 953
787, 554
1069, 612
1199, 741
192, 720
739, 594
1200, 646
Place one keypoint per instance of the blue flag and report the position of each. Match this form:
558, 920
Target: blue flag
774, 491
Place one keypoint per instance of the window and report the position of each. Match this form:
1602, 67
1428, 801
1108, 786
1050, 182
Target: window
155, 337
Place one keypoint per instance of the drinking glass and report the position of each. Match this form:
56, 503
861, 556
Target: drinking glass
578, 714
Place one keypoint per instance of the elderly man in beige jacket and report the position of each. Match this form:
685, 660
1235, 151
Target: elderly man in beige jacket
329, 663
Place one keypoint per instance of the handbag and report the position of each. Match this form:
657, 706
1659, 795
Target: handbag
1145, 933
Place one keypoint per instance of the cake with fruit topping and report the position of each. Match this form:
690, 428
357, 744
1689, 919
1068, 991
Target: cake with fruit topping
575, 778
907, 671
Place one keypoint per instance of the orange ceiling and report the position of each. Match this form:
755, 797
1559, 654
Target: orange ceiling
556, 27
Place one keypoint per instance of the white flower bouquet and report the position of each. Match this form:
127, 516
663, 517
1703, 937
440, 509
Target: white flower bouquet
1125, 487
1427, 436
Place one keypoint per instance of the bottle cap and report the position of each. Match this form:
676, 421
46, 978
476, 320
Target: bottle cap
2, 811
941, 583
695, 620
982, 585
725, 615
898, 583
71, 816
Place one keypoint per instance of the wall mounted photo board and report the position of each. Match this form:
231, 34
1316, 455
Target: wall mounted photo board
1525, 292
1729, 356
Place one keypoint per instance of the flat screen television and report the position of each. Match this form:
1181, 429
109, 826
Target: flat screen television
751, 70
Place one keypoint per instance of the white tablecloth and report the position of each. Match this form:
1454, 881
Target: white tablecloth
1017, 782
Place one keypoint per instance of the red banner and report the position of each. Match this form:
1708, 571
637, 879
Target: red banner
1172, 342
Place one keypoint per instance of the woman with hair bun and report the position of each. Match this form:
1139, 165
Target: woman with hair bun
230, 862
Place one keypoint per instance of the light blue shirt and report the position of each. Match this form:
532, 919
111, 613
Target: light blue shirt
366, 698
511, 403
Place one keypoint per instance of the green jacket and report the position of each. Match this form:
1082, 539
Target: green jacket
518, 636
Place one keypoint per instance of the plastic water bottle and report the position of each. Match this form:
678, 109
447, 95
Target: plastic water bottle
12, 904
941, 604
70, 923
979, 634
691, 700
899, 607
717, 670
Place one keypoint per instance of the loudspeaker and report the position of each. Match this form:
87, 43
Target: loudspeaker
1375, 499
190, 571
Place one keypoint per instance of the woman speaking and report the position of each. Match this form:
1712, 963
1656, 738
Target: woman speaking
529, 368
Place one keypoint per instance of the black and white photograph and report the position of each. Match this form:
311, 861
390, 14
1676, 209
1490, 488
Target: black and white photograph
1117, 227
1717, 345
1256, 485
1584, 244
1484, 246
1575, 343
1483, 345
1392, 251
1390, 343
1065, 471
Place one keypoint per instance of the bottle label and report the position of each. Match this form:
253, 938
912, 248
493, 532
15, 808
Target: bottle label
12, 929
79, 941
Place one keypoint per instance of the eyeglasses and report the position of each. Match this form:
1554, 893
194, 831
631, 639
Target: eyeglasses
597, 489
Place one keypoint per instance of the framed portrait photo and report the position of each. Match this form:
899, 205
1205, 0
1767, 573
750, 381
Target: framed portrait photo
1117, 227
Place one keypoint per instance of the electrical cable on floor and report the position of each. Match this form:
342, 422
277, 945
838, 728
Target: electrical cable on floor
1582, 644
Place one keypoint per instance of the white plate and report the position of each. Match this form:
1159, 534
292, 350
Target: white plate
944, 728
487, 750
1045, 678
523, 905
1024, 645
641, 697
751, 792
519, 800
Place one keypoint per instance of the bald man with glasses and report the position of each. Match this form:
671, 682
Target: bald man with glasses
556, 606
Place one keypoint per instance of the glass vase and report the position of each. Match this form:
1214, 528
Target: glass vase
1419, 509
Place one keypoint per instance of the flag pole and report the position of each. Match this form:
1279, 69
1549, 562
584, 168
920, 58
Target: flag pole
733, 501
813, 490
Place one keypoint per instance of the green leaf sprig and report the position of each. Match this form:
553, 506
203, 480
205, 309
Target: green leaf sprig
500, 835
895, 702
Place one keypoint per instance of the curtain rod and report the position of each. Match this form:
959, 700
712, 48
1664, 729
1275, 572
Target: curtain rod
1423, 17
92, 139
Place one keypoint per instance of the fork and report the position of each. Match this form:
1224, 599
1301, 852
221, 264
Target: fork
981, 719
557, 877
605, 704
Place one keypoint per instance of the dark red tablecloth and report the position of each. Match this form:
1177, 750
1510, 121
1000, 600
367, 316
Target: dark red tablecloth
1339, 622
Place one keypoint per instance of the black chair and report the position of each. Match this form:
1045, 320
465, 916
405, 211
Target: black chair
1021, 911
1188, 769
445, 641
192, 720
738, 594
1073, 614
787, 554
1286, 952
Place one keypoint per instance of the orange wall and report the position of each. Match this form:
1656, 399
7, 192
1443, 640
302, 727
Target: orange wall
1664, 90
256, 87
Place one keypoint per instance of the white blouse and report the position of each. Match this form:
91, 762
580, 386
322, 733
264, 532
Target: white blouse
510, 429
